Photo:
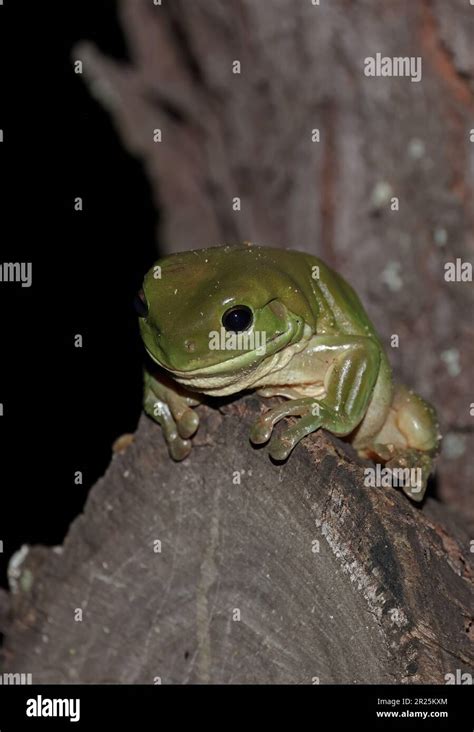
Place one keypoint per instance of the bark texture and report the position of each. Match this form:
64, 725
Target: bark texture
288, 573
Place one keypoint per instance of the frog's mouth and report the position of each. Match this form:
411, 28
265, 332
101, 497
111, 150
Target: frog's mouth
230, 371
251, 357
238, 372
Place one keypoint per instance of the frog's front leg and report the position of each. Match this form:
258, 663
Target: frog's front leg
169, 405
349, 382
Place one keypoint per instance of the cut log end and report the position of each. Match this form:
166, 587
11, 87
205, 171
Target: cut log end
229, 568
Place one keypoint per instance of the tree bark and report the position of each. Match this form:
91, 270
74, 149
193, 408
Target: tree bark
298, 572
229, 568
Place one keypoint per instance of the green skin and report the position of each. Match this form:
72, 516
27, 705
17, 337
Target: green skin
322, 353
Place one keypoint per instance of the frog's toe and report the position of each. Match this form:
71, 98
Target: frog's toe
416, 467
186, 419
280, 448
282, 445
263, 427
178, 448
260, 432
416, 493
187, 423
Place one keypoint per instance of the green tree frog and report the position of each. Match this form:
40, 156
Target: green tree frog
222, 320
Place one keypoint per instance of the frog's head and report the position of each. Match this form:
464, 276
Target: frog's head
212, 317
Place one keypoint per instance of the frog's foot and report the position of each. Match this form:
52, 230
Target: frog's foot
407, 442
281, 445
313, 414
172, 410
410, 468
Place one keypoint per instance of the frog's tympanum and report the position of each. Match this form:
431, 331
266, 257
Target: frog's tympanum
223, 320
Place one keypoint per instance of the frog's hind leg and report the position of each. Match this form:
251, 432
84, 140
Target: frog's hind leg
408, 441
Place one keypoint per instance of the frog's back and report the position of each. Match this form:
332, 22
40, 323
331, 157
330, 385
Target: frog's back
337, 300
348, 306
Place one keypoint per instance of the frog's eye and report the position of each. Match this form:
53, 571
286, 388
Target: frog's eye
238, 318
140, 305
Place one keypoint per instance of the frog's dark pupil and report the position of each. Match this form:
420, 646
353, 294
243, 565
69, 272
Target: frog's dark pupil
141, 307
237, 318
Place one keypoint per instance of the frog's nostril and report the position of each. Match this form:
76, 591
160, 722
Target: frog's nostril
190, 346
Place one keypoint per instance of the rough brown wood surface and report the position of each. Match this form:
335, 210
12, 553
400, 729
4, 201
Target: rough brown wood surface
388, 596
296, 572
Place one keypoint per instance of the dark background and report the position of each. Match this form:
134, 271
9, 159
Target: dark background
64, 406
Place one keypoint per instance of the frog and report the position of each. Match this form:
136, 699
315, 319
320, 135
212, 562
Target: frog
231, 319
